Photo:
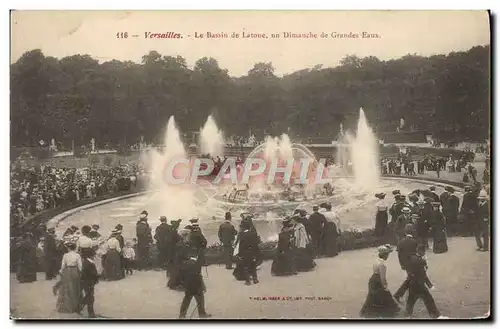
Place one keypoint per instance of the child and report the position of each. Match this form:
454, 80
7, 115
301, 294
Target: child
128, 257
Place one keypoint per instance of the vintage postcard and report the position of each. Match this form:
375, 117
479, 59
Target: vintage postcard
250, 165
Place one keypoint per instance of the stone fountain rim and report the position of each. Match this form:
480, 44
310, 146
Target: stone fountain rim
54, 221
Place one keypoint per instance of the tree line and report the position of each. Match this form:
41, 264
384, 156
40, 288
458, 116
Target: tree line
76, 98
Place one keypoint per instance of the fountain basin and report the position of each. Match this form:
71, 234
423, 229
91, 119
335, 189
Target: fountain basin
355, 207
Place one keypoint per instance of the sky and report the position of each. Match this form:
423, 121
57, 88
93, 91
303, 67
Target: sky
65, 33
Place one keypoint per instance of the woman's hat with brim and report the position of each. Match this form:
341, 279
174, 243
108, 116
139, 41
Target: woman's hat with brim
69, 243
483, 195
396, 192
406, 209
385, 249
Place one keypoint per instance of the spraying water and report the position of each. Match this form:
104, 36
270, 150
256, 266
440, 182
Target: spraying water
342, 156
285, 147
271, 148
364, 155
211, 138
178, 200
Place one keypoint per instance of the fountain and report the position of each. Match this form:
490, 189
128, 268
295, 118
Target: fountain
351, 197
364, 155
177, 200
211, 138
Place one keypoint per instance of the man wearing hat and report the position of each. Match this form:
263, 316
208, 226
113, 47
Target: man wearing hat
422, 222
51, 254
160, 236
482, 231
198, 240
227, 235
144, 240
172, 239
443, 198
317, 223
94, 234
407, 247
403, 220
433, 195
468, 212
194, 286
412, 204
451, 214
396, 208
419, 284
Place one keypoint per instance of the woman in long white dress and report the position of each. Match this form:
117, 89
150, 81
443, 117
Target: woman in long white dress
68, 300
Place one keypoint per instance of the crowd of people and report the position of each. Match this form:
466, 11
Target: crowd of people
35, 189
83, 256
414, 221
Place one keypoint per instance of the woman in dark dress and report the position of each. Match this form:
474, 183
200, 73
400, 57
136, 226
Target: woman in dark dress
27, 260
181, 254
438, 223
112, 263
284, 262
381, 217
304, 258
379, 301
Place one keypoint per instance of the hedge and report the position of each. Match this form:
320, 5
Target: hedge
349, 240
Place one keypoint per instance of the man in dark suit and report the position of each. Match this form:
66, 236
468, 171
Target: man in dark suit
198, 240
482, 225
89, 278
452, 210
161, 233
227, 235
317, 224
194, 286
433, 195
419, 284
407, 247
468, 211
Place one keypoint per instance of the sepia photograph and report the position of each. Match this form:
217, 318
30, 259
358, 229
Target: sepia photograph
243, 165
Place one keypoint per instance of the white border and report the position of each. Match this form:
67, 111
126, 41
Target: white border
200, 4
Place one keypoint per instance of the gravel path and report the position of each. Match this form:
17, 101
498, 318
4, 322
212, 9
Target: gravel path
337, 288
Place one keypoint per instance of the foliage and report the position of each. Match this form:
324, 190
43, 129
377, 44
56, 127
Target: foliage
76, 98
